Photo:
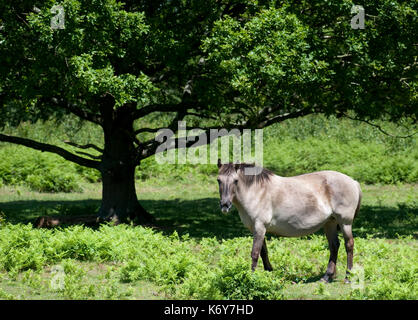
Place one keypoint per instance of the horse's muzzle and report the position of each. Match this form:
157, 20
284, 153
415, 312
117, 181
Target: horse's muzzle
226, 206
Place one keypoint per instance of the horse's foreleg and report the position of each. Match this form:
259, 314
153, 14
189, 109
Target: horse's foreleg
349, 247
258, 241
265, 257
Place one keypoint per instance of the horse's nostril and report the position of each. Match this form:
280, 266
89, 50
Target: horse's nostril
225, 206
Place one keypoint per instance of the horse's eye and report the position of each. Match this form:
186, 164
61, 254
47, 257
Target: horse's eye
219, 180
236, 181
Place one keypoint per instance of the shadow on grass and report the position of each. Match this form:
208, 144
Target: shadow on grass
386, 222
202, 217
199, 218
28, 210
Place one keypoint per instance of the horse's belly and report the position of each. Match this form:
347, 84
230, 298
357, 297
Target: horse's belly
297, 225
291, 231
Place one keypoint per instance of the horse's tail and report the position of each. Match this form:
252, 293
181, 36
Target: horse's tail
360, 196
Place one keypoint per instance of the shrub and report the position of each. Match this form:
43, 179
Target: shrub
41, 172
237, 281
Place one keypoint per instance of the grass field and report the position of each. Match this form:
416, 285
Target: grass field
194, 251
197, 252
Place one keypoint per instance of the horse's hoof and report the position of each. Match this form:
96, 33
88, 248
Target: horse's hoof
347, 281
327, 278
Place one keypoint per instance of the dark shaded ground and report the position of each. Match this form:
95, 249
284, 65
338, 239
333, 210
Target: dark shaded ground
28, 210
202, 217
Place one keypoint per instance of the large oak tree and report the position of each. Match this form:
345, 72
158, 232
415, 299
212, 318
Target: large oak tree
215, 63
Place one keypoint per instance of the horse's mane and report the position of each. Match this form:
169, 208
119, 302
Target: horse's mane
262, 177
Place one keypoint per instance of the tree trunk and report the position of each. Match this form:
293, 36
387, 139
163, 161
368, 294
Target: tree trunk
119, 200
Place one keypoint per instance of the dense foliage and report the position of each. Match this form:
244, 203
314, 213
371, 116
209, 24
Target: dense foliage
293, 147
254, 60
197, 269
241, 64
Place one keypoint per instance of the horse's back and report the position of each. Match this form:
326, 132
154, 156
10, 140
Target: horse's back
342, 192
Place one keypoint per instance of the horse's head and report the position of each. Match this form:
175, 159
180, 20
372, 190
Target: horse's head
227, 180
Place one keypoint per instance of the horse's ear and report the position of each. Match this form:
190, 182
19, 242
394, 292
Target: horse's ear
236, 166
219, 163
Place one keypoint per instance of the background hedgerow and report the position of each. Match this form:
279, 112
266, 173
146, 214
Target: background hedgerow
290, 148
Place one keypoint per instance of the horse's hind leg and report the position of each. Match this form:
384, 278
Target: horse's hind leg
265, 257
333, 242
349, 247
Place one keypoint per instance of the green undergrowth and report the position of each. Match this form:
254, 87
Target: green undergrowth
293, 147
207, 268
41, 172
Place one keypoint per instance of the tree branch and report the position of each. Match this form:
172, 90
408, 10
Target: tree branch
150, 130
282, 117
379, 127
74, 109
89, 155
86, 146
50, 148
148, 148
156, 108
141, 130
176, 107
201, 115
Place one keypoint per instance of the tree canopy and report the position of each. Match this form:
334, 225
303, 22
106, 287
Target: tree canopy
216, 63
253, 60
